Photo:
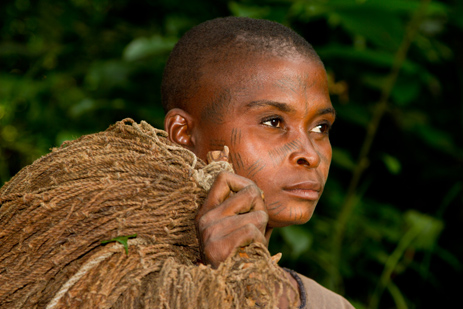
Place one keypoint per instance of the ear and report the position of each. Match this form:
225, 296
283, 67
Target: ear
179, 125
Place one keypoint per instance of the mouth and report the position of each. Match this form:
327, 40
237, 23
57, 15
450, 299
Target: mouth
305, 190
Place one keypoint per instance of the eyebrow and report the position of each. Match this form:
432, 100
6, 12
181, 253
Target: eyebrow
325, 111
286, 107
262, 103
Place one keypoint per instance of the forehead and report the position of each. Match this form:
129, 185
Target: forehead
234, 84
250, 72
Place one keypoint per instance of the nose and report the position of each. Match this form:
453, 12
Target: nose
306, 154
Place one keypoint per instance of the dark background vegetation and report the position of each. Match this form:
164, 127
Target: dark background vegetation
387, 233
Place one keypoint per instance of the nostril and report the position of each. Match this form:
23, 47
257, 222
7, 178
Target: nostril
303, 161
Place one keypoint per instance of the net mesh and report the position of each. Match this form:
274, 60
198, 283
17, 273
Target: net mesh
127, 180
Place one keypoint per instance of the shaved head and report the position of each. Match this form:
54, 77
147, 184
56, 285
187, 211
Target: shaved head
222, 45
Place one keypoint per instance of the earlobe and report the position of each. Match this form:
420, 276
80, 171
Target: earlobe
178, 125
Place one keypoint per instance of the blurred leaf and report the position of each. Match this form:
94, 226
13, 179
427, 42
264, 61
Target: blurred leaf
418, 122
353, 113
242, 10
378, 221
392, 163
308, 9
107, 75
429, 229
342, 158
82, 107
438, 139
404, 92
456, 13
449, 258
377, 58
66, 136
298, 238
398, 297
9, 133
142, 48
384, 29
176, 25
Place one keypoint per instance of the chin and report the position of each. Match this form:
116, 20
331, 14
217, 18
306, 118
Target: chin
291, 216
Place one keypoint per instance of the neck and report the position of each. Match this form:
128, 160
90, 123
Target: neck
268, 233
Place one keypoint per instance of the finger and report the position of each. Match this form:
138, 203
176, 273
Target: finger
222, 228
224, 184
246, 200
218, 155
218, 250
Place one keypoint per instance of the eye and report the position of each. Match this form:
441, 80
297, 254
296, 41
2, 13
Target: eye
323, 128
274, 122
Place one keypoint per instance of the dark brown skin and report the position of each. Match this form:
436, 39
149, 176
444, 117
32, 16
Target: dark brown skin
274, 114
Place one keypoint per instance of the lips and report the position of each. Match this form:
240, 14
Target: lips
305, 190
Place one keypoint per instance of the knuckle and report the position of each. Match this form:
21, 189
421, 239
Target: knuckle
207, 233
206, 226
253, 190
253, 234
222, 176
262, 216
209, 229
250, 228
201, 221
215, 252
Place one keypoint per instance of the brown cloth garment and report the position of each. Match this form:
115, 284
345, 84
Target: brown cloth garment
319, 297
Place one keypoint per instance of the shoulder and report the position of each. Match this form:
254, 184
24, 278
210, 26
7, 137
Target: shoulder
317, 296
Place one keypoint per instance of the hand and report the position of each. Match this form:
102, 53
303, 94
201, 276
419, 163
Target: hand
232, 216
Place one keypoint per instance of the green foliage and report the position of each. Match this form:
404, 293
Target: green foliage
392, 164
123, 240
383, 232
142, 48
298, 238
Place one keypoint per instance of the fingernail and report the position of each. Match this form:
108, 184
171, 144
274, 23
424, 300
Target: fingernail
218, 155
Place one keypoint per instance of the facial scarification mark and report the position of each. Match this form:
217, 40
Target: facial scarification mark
279, 153
235, 137
236, 161
274, 206
217, 110
255, 168
251, 170
276, 211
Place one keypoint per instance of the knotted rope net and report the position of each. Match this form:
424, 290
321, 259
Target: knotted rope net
133, 188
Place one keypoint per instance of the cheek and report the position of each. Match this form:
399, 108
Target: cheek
236, 160
325, 153
209, 138
244, 155
247, 166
